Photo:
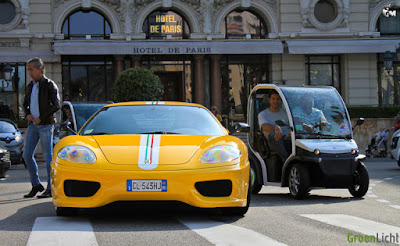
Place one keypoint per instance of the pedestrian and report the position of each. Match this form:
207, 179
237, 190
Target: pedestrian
397, 122
214, 110
383, 135
40, 103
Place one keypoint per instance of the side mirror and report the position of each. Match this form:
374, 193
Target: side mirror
359, 122
69, 128
242, 127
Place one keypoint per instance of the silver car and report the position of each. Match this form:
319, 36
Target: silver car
11, 139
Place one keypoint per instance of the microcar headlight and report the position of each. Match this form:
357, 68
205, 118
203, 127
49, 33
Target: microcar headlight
18, 138
353, 151
77, 154
317, 151
220, 153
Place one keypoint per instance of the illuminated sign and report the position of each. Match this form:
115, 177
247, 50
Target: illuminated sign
166, 24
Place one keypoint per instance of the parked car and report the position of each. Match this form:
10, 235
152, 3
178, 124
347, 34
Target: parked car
151, 151
320, 144
5, 162
395, 147
11, 138
76, 114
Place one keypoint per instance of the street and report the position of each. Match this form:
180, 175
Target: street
326, 217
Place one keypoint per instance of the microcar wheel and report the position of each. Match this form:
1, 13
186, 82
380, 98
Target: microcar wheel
63, 211
360, 181
254, 181
299, 181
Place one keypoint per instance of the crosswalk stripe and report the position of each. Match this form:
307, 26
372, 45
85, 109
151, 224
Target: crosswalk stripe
363, 226
395, 206
61, 232
220, 233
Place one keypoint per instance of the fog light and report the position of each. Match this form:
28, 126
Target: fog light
353, 151
317, 152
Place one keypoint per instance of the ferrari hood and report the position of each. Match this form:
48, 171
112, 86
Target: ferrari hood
149, 149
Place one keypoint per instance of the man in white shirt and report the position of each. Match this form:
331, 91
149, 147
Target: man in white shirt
276, 135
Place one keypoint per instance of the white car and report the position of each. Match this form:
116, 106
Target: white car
395, 146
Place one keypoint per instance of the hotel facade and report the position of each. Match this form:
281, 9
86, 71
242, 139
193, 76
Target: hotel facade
211, 52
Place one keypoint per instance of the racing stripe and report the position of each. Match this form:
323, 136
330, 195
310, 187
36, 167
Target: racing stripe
149, 151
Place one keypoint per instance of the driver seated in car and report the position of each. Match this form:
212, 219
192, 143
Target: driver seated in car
309, 118
277, 136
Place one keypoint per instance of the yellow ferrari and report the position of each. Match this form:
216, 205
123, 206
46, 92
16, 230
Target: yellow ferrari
151, 151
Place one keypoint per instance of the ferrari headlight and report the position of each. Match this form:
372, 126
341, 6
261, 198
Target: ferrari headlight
220, 153
18, 138
77, 154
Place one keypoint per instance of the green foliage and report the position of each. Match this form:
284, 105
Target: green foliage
373, 112
137, 84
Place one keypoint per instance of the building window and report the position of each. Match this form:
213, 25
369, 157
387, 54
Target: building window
86, 25
388, 82
323, 70
162, 25
325, 11
88, 78
244, 24
7, 12
12, 92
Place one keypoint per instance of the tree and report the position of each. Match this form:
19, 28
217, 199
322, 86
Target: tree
137, 84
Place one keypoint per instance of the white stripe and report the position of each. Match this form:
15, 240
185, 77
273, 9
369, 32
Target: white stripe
61, 231
379, 181
372, 195
395, 206
372, 185
363, 226
220, 233
388, 178
382, 201
155, 151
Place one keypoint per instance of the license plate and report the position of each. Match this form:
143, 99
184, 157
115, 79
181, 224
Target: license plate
146, 185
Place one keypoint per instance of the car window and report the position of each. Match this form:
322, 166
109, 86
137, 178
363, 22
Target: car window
6, 127
84, 111
160, 119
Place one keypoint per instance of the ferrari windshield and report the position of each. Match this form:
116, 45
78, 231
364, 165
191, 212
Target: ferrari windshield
153, 119
317, 112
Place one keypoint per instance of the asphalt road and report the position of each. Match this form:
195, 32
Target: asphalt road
326, 217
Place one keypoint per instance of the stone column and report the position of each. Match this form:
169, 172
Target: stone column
119, 65
216, 96
199, 79
135, 61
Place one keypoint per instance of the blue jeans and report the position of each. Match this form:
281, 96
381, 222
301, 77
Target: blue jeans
33, 134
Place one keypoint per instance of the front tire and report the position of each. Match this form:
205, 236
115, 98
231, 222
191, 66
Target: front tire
299, 181
360, 181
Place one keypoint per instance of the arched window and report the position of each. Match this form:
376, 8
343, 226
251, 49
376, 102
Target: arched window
388, 23
82, 23
166, 25
244, 24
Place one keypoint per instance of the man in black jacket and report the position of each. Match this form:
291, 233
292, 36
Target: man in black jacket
40, 103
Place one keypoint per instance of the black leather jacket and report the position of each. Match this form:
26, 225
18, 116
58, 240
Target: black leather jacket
49, 101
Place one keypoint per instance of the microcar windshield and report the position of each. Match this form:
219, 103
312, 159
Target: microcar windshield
317, 112
153, 119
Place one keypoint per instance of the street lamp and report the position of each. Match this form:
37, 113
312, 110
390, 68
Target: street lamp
6, 73
388, 60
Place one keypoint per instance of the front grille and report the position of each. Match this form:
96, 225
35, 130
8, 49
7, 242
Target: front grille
394, 142
215, 188
76, 188
5, 157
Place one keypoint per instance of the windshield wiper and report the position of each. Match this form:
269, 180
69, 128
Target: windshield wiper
159, 132
325, 135
99, 133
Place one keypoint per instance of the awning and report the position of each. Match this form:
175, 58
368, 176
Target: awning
342, 46
166, 47
24, 56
